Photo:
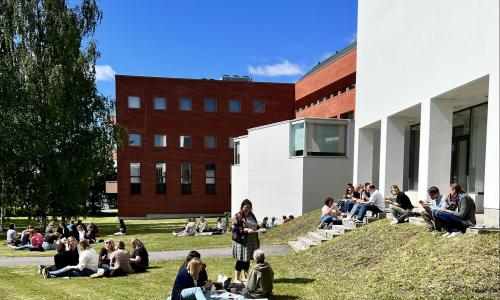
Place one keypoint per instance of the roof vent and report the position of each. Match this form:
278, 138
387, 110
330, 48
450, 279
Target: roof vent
236, 78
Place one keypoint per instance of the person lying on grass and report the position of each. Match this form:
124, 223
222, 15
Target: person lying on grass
36, 241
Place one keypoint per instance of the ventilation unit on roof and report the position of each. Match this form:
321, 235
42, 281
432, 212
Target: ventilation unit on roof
236, 78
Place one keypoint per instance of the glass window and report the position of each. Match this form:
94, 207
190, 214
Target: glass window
134, 140
210, 142
326, 139
210, 105
236, 153
135, 178
134, 102
160, 140
185, 104
298, 139
210, 179
186, 141
479, 116
160, 103
259, 106
161, 184
231, 142
185, 178
234, 106
414, 157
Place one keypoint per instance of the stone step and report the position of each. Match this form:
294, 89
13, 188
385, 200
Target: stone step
329, 233
341, 228
389, 216
307, 242
350, 224
296, 246
476, 230
417, 221
370, 219
318, 238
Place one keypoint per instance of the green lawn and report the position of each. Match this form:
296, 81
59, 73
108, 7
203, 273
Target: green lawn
156, 235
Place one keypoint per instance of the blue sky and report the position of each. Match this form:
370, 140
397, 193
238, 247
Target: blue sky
268, 40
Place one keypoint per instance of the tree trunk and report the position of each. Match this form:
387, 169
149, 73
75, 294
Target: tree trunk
3, 210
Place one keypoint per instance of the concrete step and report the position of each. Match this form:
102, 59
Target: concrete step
417, 221
476, 230
307, 242
368, 220
341, 228
389, 216
318, 238
349, 224
296, 246
329, 233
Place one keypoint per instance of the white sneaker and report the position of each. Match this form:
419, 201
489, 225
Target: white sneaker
446, 234
394, 222
456, 233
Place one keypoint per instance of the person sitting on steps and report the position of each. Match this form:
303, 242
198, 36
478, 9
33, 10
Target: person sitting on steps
401, 206
437, 200
374, 204
328, 213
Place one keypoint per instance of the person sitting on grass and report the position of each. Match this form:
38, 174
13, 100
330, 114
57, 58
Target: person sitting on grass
105, 254
119, 263
139, 259
456, 222
25, 235
401, 206
220, 226
263, 224
81, 232
91, 234
62, 259
189, 229
12, 237
328, 213
437, 200
87, 264
63, 230
260, 279
36, 241
73, 250
51, 237
202, 276
185, 283
271, 223
122, 228
374, 204
285, 219
202, 225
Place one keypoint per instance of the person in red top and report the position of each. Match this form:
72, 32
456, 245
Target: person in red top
36, 241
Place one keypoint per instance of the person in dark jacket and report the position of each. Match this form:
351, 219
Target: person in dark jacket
456, 222
202, 276
185, 283
400, 206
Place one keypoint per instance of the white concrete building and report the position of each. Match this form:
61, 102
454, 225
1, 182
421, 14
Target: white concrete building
427, 105
291, 167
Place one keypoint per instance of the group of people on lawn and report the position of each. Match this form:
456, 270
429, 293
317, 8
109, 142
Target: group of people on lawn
201, 227
450, 214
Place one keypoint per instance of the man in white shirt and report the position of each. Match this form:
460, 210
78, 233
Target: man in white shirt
374, 204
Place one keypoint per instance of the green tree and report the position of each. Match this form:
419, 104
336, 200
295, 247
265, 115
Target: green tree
58, 132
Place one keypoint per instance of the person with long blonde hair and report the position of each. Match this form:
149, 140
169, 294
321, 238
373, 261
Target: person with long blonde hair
186, 280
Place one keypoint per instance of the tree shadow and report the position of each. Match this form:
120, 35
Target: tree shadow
154, 267
297, 280
283, 297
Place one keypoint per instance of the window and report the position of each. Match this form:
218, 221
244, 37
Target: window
210, 179
326, 139
234, 106
210, 105
160, 103
135, 178
231, 142
160, 140
236, 153
210, 142
414, 156
186, 141
134, 140
161, 184
134, 102
258, 106
185, 104
185, 179
298, 139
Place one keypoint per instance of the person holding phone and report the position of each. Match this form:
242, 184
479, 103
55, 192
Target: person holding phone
400, 206
437, 200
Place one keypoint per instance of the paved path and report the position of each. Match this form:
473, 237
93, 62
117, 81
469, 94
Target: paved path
270, 250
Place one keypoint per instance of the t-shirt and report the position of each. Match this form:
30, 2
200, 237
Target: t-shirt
324, 211
377, 199
120, 259
143, 254
37, 240
88, 259
403, 201
64, 259
191, 227
11, 235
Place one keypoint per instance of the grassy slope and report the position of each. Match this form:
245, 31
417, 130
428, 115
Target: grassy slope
292, 229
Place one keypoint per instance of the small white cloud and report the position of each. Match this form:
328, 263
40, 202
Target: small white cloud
104, 73
285, 68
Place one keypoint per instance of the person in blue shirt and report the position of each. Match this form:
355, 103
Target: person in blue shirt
431, 207
185, 285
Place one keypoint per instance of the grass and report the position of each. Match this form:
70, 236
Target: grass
377, 261
292, 229
156, 235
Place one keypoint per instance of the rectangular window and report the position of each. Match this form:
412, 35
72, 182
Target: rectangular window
210, 142
210, 179
298, 139
160, 103
135, 178
210, 105
231, 142
414, 157
161, 184
185, 179
234, 106
186, 141
134, 102
326, 139
185, 104
258, 106
160, 140
134, 140
236, 153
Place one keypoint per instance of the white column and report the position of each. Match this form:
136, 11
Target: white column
363, 155
492, 157
435, 145
392, 144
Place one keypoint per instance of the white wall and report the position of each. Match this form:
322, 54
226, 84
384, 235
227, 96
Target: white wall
239, 176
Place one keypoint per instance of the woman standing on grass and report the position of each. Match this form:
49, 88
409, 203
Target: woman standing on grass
245, 238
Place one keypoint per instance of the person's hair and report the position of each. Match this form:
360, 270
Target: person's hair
366, 184
90, 227
194, 267
84, 244
112, 243
51, 223
395, 187
456, 187
291, 217
359, 187
192, 254
259, 256
79, 226
349, 185
71, 238
245, 202
61, 248
265, 219
372, 187
122, 222
12, 226
328, 200
202, 218
284, 217
32, 231
137, 242
121, 245
433, 190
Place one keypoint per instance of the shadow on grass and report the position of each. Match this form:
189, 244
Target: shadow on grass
154, 267
283, 297
297, 280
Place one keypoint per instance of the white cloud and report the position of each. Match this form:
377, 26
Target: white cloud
284, 68
104, 73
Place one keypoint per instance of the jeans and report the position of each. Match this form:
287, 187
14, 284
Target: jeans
48, 246
347, 206
195, 293
28, 246
327, 219
354, 210
366, 207
449, 221
73, 273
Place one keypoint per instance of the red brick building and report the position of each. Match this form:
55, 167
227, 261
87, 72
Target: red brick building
328, 89
177, 156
